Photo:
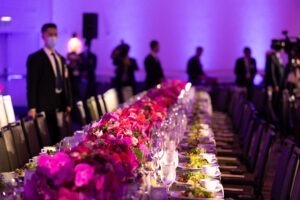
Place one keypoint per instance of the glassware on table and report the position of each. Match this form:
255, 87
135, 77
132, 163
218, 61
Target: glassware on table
67, 143
170, 157
156, 151
168, 174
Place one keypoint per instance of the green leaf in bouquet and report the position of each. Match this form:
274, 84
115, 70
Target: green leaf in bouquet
138, 153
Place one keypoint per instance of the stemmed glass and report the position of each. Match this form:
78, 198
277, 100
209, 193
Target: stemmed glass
156, 150
168, 174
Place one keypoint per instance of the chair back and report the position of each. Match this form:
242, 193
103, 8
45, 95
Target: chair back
267, 139
81, 112
3, 118
4, 160
10, 147
246, 140
286, 152
9, 110
31, 136
255, 144
43, 131
92, 107
288, 177
101, 104
110, 98
20, 142
295, 191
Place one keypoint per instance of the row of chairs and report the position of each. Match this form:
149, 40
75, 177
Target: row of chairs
21, 140
96, 106
244, 143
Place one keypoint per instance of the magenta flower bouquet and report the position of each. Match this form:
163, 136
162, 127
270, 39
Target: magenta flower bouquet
108, 156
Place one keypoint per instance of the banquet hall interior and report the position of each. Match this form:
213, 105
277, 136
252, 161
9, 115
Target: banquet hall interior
253, 127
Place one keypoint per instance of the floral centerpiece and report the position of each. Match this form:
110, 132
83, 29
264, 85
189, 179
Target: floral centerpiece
108, 156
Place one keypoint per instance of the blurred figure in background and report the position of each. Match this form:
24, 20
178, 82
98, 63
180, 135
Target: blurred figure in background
195, 69
293, 74
125, 69
274, 75
73, 63
245, 71
154, 71
88, 62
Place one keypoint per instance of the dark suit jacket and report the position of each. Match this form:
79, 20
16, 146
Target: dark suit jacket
241, 72
274, 71
154, 72
41, 84
194, 69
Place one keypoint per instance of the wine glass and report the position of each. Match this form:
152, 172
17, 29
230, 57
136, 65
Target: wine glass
168, 174
156, 150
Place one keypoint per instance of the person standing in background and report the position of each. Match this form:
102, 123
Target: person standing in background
154, 71
125, 69
195, 68
73, 63
88, 62
245, 71
48, 85
274, 74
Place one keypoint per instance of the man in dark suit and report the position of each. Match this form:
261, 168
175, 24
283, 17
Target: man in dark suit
48, 87
195, 69
154, 71
245, 69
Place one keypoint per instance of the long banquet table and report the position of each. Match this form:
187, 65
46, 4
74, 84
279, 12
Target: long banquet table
197, 169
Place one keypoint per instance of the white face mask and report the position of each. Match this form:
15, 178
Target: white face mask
51, 41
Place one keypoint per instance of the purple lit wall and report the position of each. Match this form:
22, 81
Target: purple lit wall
223, 28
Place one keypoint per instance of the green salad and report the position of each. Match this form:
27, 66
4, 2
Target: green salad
191, 177
196, 192
196, 162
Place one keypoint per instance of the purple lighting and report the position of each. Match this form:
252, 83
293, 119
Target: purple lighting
223, 28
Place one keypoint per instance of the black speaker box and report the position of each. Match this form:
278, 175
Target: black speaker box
90, 25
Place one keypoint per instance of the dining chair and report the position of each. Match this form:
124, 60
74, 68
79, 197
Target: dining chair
20, 142
92, 108
3, 117
295, 190
43, 131
9, 110
111, 100
31, 136
81, 113
10, 147
4, 160
285, 154
287, 173
101, 104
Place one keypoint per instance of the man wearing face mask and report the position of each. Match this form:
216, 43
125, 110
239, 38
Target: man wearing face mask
48, 86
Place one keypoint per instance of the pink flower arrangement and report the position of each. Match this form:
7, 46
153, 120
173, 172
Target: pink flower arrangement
100, 166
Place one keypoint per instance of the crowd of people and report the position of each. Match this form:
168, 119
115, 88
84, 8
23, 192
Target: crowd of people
54, 84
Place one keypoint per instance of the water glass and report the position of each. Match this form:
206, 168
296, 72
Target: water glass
168, 174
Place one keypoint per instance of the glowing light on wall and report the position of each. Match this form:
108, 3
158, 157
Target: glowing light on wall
6, 19
74, 44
